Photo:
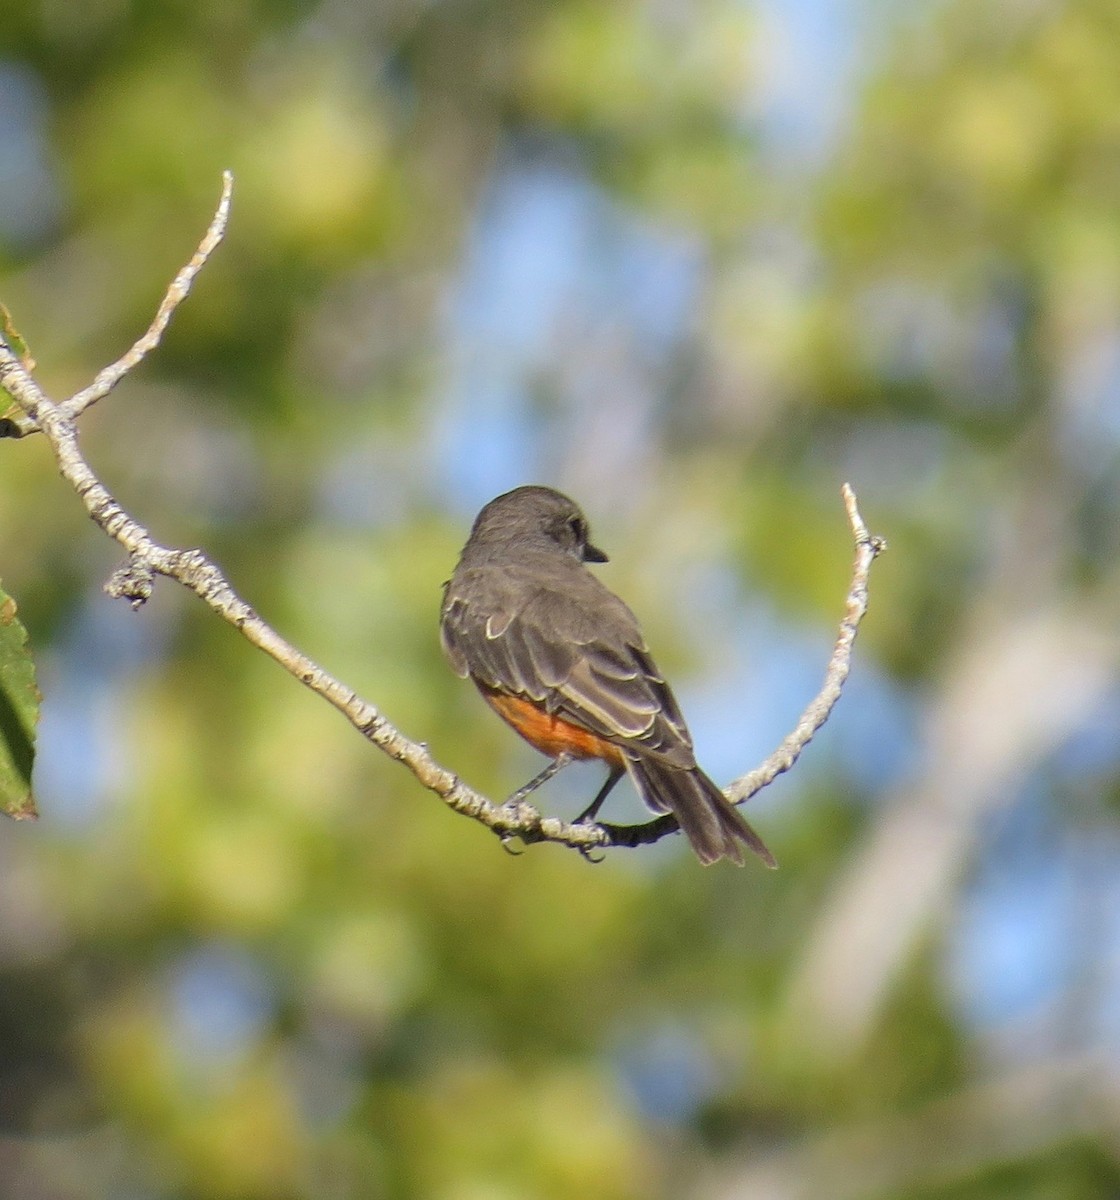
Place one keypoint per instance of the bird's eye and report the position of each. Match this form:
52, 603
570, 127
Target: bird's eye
578, 529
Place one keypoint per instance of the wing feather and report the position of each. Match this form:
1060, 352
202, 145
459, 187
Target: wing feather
579, 652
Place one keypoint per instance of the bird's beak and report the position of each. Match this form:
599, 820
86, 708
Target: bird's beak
594, 554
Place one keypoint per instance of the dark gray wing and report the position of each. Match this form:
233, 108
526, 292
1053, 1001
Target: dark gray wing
578, 651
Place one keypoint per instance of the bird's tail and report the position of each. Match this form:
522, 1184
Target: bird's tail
714, 827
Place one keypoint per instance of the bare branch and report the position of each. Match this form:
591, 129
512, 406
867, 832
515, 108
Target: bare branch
110, 376
134, 580
21, 425
868, 548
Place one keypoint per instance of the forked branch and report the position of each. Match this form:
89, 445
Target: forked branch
133, 581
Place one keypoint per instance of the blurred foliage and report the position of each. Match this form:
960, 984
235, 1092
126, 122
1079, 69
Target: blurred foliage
244, 956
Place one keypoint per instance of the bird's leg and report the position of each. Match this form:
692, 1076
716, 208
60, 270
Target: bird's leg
592, 810
557, 764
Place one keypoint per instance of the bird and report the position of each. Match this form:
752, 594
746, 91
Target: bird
562, 659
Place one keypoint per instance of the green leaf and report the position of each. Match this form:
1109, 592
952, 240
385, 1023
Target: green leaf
19, 714
15, 339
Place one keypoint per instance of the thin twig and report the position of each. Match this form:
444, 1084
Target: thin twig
133, 581
21, 424
868, 548
108, 378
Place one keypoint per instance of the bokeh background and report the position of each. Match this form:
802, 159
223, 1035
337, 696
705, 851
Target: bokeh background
696, 263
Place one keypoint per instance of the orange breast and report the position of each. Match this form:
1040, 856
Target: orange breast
550, 734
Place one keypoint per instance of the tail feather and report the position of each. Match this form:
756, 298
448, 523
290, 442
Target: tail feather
714, 827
